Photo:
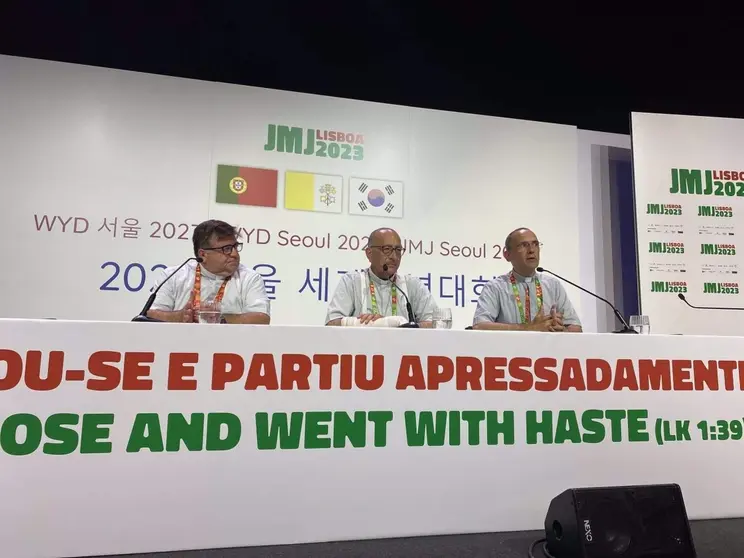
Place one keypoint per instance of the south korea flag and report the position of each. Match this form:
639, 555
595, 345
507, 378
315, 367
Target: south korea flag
378, 198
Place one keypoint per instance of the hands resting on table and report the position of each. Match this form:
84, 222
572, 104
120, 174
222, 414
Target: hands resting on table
373, 320
547, 322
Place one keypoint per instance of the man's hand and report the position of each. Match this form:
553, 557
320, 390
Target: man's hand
557, 319
250, 318
367, 318
542, 322
187, 313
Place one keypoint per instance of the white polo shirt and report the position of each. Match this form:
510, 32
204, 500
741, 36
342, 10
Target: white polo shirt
245, 292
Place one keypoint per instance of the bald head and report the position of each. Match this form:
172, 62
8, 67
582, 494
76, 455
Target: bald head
378, 236
384, 252
522, 250
511, 235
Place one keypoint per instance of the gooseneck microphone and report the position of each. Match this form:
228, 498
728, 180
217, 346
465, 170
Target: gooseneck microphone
411, 317
626, 328
683, 299
142, 316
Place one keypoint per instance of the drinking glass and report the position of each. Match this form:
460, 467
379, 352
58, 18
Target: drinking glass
210, 312
641, 324
442, 318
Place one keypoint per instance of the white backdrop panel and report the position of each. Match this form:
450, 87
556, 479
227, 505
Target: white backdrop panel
688, 241
82, 145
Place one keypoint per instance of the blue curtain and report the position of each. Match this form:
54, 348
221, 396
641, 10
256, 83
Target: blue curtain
625, 263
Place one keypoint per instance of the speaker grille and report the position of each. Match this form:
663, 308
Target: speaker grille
633, 522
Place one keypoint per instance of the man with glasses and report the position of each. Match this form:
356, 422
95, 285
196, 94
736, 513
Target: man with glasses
219, 279
523, 299
376, 292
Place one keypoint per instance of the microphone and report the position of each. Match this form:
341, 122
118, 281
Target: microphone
683, 299
142, 316
626, 328
411, 317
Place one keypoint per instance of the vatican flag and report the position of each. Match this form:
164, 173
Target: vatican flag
378, 198
306, 191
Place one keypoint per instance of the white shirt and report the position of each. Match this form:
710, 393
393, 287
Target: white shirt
245, 292
352, 297
496, 302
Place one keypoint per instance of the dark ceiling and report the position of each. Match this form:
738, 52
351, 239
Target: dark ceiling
464, 55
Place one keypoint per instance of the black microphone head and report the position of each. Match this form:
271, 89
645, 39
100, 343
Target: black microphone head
680, 296
540, 269
199, 259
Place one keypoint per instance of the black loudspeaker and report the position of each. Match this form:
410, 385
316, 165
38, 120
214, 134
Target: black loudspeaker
619, 522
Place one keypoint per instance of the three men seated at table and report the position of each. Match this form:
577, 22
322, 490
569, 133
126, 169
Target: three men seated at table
523, 299
364, 297
220, 278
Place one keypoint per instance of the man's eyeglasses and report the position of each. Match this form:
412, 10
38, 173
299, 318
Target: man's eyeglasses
527, 245
227, 250
387, 249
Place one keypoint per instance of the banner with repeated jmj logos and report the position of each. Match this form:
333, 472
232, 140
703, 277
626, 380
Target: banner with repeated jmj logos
689, 195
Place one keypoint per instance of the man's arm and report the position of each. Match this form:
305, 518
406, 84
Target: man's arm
258, 318
342, 302
487, 310
499, 326
422, 302
168, 316
256, 308
163, 307
571, 320
542, 322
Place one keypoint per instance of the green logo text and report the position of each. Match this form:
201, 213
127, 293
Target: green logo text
334, 144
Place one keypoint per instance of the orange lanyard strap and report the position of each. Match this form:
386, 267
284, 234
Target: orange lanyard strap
525, 312
196, 293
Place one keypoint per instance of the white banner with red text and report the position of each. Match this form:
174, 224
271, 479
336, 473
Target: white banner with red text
124, 437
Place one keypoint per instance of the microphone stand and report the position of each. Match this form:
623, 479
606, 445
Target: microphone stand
409, 309
625, 329
142, 316
411, 323
683, 299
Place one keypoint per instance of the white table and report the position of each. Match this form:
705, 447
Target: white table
88, 456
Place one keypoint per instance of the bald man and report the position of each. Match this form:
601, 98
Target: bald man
523, 299
375, 292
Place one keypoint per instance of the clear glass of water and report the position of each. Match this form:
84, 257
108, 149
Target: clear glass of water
442, 318
641, 324
210, 312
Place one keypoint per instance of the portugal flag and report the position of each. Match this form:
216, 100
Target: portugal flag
247, 185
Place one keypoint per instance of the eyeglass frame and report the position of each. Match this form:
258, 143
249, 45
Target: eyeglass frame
238, 246
388, 249
536, 244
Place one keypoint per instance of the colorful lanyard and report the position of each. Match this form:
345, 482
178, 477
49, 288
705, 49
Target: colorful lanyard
196, 293
373, 298
538, 290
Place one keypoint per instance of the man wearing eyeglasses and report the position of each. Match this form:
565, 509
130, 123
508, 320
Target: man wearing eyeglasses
523, 299
376, 292
220, 278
